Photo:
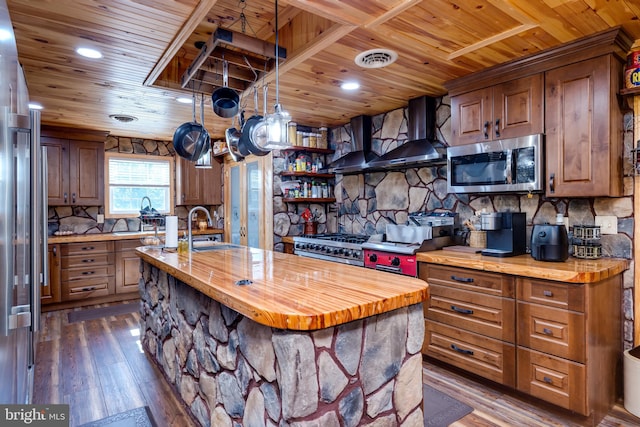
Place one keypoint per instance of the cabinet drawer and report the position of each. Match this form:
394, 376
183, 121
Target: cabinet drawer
85, 248
553, 294
472, 280
96, 287
559, 381
487, 357
483, 314
551, 330
84, 260
127, 245
88, 271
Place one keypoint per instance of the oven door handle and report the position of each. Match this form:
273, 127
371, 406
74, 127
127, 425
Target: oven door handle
388, 268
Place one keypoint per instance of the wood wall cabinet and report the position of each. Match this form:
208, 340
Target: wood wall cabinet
198, 186
507, 110
559, 342
127, 266
584, 129
50, 294
75, 166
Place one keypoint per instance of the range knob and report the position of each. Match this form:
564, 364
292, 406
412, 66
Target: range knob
395, 261
356, 254
373, 257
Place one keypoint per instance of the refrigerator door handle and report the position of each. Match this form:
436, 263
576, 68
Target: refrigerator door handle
20, 316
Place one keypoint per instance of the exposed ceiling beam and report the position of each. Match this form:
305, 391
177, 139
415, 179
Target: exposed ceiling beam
391, 13
197, 16
490, 40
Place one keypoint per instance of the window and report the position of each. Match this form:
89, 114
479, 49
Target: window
131, 177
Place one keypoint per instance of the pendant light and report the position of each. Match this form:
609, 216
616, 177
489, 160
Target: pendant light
277, 122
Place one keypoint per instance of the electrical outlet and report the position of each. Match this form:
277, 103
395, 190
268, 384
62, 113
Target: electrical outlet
100, 218
608, 224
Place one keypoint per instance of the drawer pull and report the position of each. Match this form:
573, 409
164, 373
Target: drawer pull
91, 288
547, 380
88, 248
461, 310
462, 279
547, 331
86, 273
461, 350
88, 260
547, 293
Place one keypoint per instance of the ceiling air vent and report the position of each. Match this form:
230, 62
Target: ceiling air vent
376, 58
123, 118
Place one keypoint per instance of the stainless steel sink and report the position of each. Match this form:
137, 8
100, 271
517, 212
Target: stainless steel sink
219, 247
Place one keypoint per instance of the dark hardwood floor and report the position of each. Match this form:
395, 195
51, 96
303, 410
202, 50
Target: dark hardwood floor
99, 369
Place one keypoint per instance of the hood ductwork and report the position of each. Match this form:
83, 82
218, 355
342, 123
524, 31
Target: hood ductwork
421, 149
357, 160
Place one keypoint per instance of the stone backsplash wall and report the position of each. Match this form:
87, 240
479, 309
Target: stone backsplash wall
365, 202
83, 219
230, 370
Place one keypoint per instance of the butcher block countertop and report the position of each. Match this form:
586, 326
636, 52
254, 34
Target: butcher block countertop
573, 270
288, 291
121, 235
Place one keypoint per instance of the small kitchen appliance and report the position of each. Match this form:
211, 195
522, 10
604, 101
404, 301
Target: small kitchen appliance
549, 242
506, 233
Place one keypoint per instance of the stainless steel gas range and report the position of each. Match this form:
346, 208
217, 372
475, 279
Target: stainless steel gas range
337, 247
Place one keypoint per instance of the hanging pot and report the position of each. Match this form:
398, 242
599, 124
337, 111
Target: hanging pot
232, 137
259, 131
225, 100
191, 140
247, 130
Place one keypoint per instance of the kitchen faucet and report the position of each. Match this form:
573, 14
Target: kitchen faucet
197, 208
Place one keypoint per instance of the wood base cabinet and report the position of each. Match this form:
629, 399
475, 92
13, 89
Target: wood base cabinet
559, 342
127, 266
87, 270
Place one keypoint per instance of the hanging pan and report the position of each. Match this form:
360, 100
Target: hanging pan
191, 140
246, 140
224, 99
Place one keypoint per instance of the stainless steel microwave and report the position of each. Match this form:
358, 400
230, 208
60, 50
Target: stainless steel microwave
500, 166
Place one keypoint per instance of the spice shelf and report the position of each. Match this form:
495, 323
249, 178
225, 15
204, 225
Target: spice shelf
308, 174
310, 200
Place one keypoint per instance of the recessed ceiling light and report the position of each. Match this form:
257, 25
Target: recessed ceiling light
35, 106
89, 53
184, 100
350, 85
123, 118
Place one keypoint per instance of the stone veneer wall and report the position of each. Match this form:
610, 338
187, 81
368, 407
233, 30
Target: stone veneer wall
83, 219
365, 201
232, 371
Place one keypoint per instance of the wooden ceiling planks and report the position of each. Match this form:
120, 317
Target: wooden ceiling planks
149, 43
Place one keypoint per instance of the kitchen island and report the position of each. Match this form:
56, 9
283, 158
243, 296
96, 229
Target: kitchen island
260, 338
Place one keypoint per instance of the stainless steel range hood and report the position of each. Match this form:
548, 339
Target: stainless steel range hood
421, 149
357, 160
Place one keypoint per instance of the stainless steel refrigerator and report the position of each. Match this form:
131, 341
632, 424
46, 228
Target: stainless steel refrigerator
22, 224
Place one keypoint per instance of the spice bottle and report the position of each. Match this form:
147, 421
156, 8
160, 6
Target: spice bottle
183, 244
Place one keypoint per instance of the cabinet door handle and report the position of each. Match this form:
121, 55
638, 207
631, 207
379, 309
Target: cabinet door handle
91, 288
73, 198
547, 331
486, 130
66, 198
552, 184
547, 380
88, 248
461, 310
461, 350
54, 250
547, 293
88, 260
462, 279
497, 128
88, 273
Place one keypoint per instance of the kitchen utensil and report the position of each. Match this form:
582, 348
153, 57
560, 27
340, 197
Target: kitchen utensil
247, 130
232, 136
259, 132
225, 101
191, 139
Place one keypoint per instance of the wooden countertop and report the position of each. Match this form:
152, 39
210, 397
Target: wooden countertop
121, 235
288, 291
573, 270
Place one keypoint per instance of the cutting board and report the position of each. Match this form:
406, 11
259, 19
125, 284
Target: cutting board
460, 248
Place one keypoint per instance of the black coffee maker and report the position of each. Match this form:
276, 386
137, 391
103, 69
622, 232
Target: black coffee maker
506, 233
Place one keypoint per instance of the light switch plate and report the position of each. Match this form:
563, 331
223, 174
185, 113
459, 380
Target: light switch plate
100, 218
608, 224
